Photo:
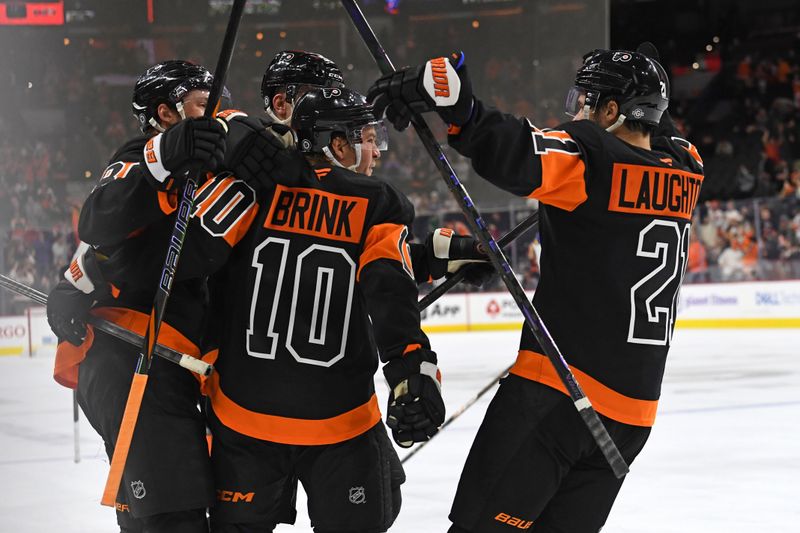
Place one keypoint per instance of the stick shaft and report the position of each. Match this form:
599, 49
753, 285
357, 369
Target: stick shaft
165, 352
481, 232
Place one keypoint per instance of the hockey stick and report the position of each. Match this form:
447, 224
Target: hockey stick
136, 394
450, 282
460, 411
479, 230
188, 362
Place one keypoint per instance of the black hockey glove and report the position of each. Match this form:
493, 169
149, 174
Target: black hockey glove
447, 253
70, 300
255, 154
194, 144
416, 409
440, 85
67, 309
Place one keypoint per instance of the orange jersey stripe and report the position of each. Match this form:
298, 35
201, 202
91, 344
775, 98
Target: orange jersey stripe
137, 322
286, 430
537, 367
386, 241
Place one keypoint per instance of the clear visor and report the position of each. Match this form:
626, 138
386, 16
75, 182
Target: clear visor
374, 133
576, 99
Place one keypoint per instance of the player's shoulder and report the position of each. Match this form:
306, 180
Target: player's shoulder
681, 149
125, 160
387, 203
131, 150
577, 135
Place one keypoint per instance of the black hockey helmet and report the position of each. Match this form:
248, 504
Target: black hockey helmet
167, 82
323, 112
636, 82
293, 68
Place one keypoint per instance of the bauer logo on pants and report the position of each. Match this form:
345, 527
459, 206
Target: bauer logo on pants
357, 495
137, 487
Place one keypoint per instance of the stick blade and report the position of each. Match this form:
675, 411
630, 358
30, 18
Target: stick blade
124, 439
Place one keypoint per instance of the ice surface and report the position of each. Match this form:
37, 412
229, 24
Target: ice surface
724, 455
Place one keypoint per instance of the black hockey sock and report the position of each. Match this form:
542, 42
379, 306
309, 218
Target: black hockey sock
192, 521
260, 527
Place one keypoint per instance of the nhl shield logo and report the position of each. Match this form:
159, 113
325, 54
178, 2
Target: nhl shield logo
357, 495
137, 487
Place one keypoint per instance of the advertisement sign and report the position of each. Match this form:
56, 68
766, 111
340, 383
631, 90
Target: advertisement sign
774, 304
448, 313
13, 335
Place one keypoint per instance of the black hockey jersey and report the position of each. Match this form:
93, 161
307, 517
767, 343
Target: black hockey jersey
128, 216
317, 283
615, 226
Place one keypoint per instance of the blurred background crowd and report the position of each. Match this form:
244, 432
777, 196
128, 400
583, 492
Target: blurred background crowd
735, 80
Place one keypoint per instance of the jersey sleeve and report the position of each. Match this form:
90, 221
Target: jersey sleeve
386, 277
510, 152
126, 199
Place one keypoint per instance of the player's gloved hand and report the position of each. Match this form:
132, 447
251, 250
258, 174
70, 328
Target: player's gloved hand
447, 253
416, 409
67, 309
440, 85
194, 144
70, 300
255, 151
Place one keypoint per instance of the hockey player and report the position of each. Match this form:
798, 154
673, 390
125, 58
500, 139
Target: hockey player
318, 283
167, 484
287, 77
616, 209
291, 74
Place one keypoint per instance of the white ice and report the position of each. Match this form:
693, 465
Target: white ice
724, 456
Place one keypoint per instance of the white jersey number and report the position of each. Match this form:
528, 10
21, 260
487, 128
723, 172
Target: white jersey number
321, 300
654, 297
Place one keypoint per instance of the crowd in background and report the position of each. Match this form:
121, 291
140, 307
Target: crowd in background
746, 227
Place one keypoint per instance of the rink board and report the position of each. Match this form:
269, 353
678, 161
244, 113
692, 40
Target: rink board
774, 304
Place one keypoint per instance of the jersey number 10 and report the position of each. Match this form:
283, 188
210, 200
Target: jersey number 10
319, 309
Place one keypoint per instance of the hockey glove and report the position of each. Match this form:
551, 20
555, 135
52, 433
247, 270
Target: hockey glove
416, 409
70, 300
67, 309
254, 151
194, 144
447, 253
440, 85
